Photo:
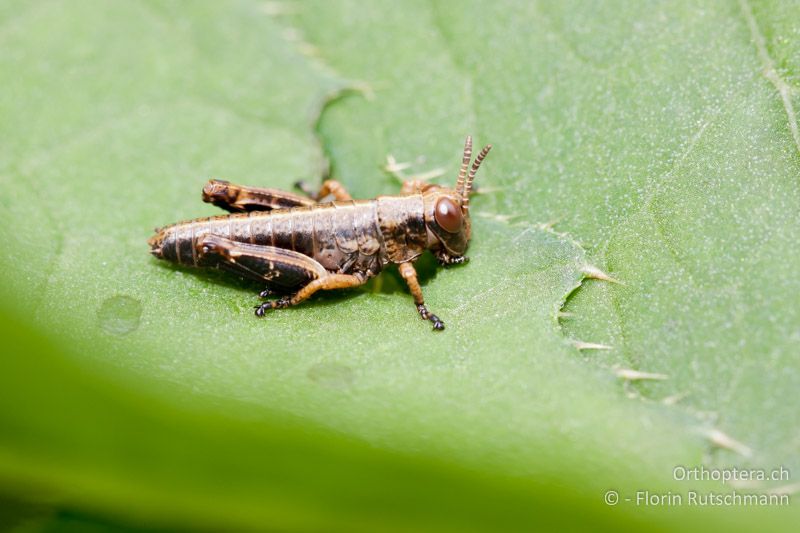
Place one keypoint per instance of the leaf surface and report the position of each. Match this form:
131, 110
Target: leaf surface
664, 152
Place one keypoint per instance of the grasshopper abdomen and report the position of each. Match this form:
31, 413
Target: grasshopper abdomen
343, 237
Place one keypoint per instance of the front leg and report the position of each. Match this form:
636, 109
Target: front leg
410, 275
417, 186
447, 260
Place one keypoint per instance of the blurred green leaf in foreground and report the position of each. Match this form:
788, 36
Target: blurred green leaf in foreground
653, 144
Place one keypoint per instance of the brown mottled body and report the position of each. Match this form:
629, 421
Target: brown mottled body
356, 237
296, 245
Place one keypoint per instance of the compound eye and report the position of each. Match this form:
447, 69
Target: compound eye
448, 215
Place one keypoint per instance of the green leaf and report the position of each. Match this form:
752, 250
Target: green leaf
662, 140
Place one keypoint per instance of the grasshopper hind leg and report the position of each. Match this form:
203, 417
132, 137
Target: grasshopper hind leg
283, 270
266, 293
241, 198
328, 282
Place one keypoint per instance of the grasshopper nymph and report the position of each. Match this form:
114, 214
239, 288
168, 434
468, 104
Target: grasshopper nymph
297, 245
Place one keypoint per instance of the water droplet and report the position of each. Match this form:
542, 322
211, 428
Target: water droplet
331, 375
119, 315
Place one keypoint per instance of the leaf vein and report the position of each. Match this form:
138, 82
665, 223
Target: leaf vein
769, 71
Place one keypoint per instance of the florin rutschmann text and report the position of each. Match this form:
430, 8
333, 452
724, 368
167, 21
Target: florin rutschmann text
750, 487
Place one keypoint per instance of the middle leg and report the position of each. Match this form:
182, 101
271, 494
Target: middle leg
410, 275
329, 188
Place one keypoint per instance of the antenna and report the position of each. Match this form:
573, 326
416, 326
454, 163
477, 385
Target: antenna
475, 166
464, 166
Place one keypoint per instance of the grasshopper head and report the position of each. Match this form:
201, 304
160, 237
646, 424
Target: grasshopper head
447, 211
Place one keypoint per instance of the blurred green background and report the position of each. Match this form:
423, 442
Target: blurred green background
656, 142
